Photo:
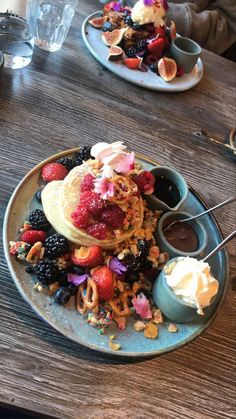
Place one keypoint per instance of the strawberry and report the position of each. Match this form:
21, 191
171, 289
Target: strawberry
54, 171
104, 280
87, 256
33, 236
133, 63
157, 47
160, 30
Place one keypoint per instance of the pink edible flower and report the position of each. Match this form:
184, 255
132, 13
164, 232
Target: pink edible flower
103, 187
142, 306
126, 163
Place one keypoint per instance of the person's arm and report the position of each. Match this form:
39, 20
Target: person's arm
210, 23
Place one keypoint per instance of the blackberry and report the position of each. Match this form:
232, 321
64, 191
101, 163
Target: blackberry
78, 270
69, 164
38, 195
56, 246
62, 295
132, 262
125, 14
129, 21
132, 277
62, 277
107, 27
131, 52
38, 220
46, 272
83, 155
141, 44
137, 27
143, 247
29, 270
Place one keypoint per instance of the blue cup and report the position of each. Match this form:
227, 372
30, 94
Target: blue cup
165, 246
185, 52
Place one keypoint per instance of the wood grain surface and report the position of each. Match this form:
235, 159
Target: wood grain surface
65, 99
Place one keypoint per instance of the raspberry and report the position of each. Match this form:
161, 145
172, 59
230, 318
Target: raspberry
92, 201
99, 231
104, 280
54, 171
80, 217
33, 236
145, 182
87, 183
113, 216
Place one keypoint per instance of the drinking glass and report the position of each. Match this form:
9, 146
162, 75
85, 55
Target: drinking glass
53, 21
17, 25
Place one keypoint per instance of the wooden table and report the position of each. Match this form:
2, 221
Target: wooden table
67, 98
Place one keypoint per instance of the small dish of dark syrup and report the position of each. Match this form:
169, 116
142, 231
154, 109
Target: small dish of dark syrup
170, 189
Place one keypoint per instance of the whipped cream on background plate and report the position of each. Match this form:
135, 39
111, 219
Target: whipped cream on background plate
148, 12
191, 280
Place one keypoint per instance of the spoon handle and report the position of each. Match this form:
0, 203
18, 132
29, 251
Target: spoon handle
211, 209
220, 246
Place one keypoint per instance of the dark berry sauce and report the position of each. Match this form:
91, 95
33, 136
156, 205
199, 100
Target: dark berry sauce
167, 191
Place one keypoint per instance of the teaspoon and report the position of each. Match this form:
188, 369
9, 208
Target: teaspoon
220, 246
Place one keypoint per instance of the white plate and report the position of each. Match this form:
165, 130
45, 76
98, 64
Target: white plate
93, 41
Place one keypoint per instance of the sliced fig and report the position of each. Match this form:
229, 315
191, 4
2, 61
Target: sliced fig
98, 22
115, 53
113, 38
167, 68
172, 30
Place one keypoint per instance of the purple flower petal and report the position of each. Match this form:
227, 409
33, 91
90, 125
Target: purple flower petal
77, 279
116, 266
116, 7
148, 2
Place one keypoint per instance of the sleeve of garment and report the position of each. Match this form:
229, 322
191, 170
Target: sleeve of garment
212, 26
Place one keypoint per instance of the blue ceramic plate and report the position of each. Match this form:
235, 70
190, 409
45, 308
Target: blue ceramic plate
66, 320
93, 41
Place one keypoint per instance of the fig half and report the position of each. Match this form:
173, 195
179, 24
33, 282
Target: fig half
113, 38
167, 68
115, 53
98, 22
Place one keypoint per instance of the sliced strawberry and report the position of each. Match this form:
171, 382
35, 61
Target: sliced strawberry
87, 256
160, 30
33, 236
133, 63
54, 171
104, 280
157, 47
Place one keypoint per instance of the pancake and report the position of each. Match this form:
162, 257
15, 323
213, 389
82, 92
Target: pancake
60, 198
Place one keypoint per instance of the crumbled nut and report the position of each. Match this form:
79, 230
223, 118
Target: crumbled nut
139, 326
53, 287
120, 285
163, 258
136, 287
157, 316
151, 330
112, 345
134, 249
35, 254
172, 328
38, 287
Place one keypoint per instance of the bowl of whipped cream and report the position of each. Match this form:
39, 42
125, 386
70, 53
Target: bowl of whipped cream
184, 289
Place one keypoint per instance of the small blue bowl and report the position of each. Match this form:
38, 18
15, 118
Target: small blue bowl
170, 305
196, 225
177, 181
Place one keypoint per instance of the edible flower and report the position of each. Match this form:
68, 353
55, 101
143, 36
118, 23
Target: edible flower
103, 187
142, 306
126, 163
152, 2
116, 266
77, 279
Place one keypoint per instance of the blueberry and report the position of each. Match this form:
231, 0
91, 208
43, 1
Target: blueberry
129, 21
107, 27
153, 67
62, 277
38, 195
29, 270
62, 295
137, 27
78, 270
72, 288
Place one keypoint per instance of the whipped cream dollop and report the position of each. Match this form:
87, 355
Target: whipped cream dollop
148, 12
114, 158
191, 280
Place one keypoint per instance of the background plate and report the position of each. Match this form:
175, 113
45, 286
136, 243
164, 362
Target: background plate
70, 323
93, 41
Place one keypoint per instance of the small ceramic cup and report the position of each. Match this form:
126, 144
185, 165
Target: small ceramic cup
173, 307
185, 52
175, 178
196, 225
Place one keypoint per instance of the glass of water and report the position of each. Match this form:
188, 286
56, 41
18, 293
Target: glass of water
17, 26
53, 21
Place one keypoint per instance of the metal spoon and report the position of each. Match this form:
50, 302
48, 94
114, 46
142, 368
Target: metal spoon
220, 246
202, 213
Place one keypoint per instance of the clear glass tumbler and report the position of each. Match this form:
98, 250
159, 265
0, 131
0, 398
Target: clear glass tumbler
17, 25
53, 21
